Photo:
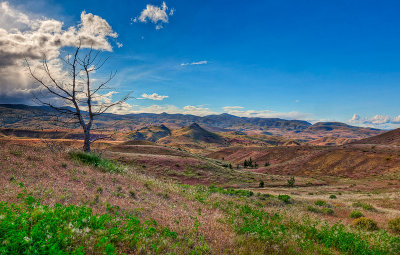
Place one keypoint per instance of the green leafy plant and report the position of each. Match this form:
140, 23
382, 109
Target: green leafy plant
332, 197
33, 228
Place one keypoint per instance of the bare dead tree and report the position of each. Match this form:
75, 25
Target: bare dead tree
76, 98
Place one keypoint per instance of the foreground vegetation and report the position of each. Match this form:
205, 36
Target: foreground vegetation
122, 210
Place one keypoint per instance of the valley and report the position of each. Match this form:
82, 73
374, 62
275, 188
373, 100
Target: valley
210, 184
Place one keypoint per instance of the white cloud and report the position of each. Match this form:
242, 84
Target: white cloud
197, 110
355, 119
203, 62
238, 111
375, 120
153, 96
230, 108
378, 121
171, 109
396, 120
156, 15
24, 36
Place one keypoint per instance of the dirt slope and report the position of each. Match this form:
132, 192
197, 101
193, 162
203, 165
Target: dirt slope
388, 138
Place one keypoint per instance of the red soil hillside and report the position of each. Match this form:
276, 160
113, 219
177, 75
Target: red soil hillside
388, 138
262, 155
353, 161
328, 141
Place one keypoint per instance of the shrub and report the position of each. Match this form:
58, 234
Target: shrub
394, 225
132, 194
368, 207
261, 185
320, 203
291, 182
364, 206
328, 211
267, 164
100, 190
365, 224
332, 197
97, 161
356, 214
285, 198
313, 209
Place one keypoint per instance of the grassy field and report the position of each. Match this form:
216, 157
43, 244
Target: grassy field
56, 200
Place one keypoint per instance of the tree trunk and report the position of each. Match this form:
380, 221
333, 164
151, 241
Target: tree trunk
86, 142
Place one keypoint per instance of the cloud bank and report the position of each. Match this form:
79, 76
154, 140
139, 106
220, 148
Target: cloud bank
241, 112
22, 36
381, 121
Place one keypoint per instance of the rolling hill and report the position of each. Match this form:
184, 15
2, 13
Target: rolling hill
151, 133
38, 117
388, 138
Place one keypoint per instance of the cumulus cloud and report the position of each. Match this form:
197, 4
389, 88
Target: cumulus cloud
153, 96
240, 112
378, 121
203, 62
396, 120
155, 14
22, 36
375, 120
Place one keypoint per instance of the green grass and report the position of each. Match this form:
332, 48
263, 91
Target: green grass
230, 191
33, 228
96, 160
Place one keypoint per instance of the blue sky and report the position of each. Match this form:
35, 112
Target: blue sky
312, 60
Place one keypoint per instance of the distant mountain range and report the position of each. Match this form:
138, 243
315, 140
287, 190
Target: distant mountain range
39, 117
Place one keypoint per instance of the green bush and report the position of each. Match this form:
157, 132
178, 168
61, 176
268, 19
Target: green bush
261, 185
285, 198
291, 182
365, 224
368, 207
364, 206
356, 214
320, 203
32, 228
97, 161
332, 197
313, 209
328, 211
394, 225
